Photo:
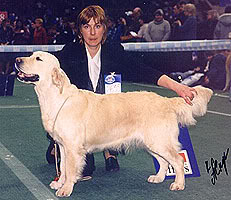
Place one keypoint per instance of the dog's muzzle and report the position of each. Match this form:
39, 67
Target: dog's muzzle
23, 76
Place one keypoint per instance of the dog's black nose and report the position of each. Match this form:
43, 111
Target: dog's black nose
19, 60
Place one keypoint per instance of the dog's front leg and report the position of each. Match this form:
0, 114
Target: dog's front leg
58, 184
74, 164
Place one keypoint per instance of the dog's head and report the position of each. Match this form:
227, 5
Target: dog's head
40, 67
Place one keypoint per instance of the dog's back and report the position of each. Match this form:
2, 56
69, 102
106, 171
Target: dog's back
126, 115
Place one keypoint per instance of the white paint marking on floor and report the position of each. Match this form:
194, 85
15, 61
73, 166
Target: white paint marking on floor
219, 113
221, 95
18, 106
37, 188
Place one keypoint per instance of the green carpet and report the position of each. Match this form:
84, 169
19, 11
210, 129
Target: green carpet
22, 134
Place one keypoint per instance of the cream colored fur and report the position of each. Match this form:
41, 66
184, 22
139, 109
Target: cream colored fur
227, 69
83, 122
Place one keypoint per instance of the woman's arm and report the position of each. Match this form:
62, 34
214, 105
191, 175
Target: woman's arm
182, 90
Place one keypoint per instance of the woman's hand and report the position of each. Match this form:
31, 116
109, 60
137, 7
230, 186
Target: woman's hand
184, 91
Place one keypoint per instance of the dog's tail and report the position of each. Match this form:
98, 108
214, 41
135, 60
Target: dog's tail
186, 113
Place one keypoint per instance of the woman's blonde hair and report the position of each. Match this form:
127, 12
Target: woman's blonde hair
95, 12
190, 8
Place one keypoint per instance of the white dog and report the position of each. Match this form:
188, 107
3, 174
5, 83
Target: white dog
83, 122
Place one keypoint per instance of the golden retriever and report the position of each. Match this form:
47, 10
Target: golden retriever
83, 122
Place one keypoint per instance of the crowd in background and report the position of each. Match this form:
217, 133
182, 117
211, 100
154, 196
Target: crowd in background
151, 21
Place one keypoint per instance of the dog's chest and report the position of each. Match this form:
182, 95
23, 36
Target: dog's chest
49, 113
48, 121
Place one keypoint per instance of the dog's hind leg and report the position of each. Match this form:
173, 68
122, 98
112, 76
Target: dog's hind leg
160, 176
169, 155
74, 164
177, 163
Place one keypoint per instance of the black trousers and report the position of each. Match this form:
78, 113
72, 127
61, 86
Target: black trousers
90, 162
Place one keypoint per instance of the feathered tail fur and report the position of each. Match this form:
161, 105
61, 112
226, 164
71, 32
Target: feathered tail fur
186, 113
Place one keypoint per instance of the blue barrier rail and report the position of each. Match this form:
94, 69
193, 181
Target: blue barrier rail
166, 46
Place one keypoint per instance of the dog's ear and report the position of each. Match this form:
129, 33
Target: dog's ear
58, 79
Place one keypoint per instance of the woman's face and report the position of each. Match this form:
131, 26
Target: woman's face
92, 33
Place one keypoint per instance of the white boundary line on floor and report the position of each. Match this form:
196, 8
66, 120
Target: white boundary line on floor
19, 106
219, 113
37, 188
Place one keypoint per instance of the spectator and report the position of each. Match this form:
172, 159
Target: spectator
181, 15
72, 31
6, 32
159, 29
188, 29
223, 27
178, 14
21, 34
52, 34
143, 29
216, 76
206, 28
63, 29
195, 76
40, 34
115, 30
132, 24
6, 38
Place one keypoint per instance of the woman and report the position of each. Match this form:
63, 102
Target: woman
188, 29
87, 60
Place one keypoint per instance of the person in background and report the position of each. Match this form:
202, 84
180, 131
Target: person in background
131, 24
6, 38
143, 29
21, 34
206, 28
196, 75
159, 29
72, 31
181, 14
216, 76
115, 30
188, 29
6, 32
223, 27
40, 34
178, 14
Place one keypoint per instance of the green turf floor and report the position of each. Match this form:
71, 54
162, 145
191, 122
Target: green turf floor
25, 174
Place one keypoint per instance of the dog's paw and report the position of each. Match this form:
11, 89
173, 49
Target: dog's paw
175, 187
155, 179
64, 191
55, 185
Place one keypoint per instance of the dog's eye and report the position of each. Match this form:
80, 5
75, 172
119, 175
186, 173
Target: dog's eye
38, 59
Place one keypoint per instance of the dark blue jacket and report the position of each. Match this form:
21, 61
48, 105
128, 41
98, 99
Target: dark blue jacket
73, 60
217, 73
188, 31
